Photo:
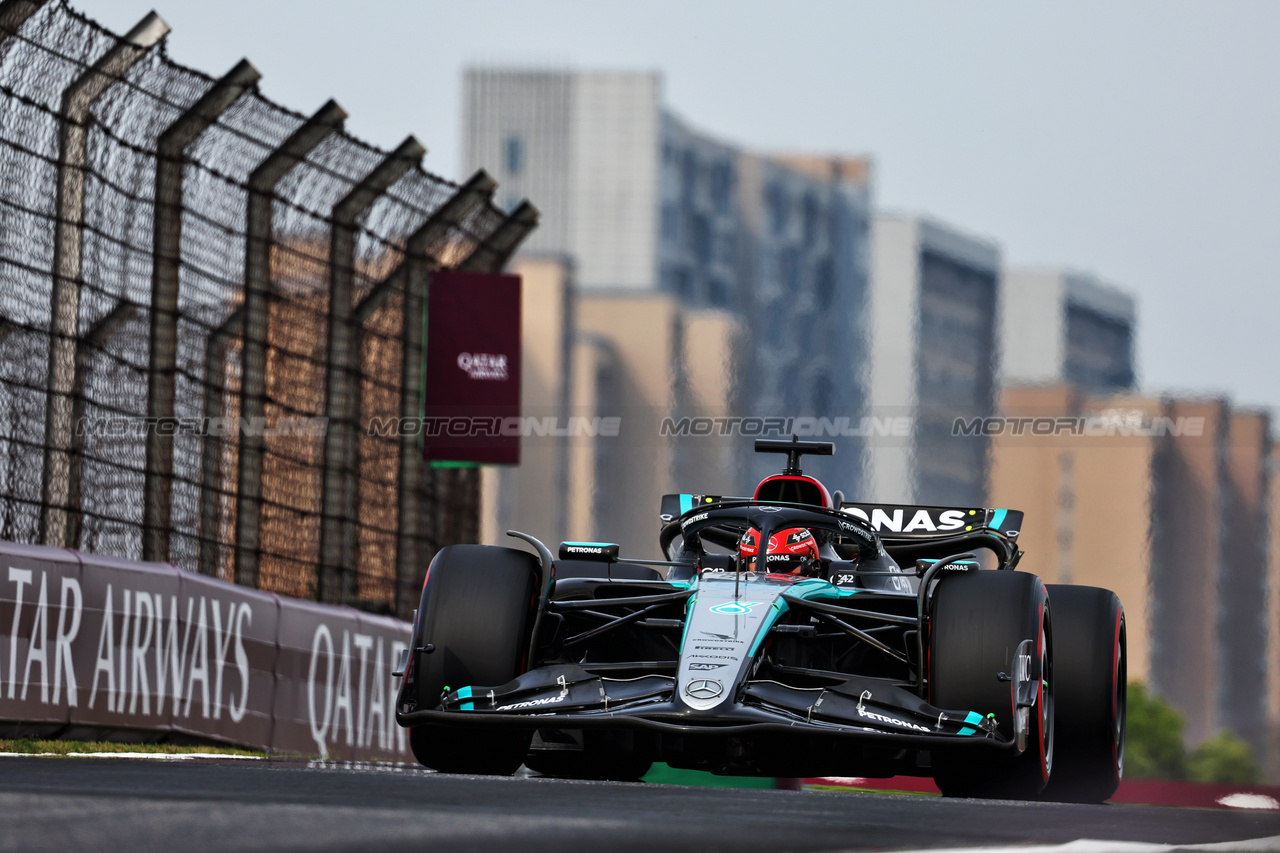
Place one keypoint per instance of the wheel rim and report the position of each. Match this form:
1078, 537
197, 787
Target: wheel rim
1046, 705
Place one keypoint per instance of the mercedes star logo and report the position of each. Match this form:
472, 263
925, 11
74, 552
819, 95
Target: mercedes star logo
704, 688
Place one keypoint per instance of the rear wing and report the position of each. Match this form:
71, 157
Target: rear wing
890, 521
906, 521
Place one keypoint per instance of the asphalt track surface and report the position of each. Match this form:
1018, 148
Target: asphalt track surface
120, 804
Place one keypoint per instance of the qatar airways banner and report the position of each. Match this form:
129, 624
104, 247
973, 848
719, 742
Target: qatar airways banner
472, 398
103, 645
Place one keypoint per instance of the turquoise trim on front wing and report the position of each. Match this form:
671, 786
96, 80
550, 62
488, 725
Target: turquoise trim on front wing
973, 718
465, 693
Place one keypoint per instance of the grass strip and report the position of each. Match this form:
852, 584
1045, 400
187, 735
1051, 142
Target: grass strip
29, 746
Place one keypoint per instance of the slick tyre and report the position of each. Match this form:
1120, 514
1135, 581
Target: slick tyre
477, 614
978, 620
1090, 662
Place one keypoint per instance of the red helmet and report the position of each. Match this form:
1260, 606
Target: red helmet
789, 550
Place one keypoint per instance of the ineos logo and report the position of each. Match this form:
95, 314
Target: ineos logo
704, 688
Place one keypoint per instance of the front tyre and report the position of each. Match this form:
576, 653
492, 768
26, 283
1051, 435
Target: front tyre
477, 612
1091, 662
978, 621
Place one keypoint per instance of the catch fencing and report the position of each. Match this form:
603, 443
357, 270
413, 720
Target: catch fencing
205, 297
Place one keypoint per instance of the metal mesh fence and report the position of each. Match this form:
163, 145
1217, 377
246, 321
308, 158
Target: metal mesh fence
133, 342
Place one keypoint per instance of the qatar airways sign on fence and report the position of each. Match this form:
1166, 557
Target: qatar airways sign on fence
104, 645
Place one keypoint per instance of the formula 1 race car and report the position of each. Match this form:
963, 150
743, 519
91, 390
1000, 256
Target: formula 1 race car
790, 634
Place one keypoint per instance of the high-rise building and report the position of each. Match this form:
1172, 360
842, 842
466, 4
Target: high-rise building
1086, 498
1164, 501
1272, 763
1062, 326
644, 203
932, 309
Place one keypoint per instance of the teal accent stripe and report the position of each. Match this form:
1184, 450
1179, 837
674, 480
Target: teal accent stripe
591, 544
686, 503
776, 610
973, 718
688, 609
967, 731
997, 518
465, 693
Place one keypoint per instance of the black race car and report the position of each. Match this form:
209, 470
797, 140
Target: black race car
789, 634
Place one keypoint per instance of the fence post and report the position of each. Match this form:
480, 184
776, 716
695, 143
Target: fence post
213, 446
412, 273
95, 340
166, 259
492, 254
337, 522
409, 567
14, 13
64, 314
422, 245
257, 281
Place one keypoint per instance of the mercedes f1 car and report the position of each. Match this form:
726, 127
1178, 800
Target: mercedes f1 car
790, 634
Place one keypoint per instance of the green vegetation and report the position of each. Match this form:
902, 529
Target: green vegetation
1224, 758
1153, 739
64, 747
1154, 747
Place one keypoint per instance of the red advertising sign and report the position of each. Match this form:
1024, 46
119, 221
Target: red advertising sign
472, 399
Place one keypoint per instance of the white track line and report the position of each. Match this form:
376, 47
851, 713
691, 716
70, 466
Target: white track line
1089, 845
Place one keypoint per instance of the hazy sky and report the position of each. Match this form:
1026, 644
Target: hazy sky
1139, 141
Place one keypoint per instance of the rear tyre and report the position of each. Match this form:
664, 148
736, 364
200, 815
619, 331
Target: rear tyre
978, 621
1091, 663
477, 612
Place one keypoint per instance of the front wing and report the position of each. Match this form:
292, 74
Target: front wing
566, 696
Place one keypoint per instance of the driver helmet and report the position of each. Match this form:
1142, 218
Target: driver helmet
790, 551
